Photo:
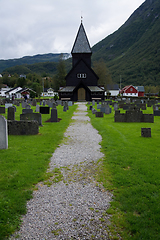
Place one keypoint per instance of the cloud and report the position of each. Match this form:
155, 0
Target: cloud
31, 27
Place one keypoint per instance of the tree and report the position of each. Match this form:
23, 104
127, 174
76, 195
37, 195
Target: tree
59, 79
37, 88
21, 82
103, 73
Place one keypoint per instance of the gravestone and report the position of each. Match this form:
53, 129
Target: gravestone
116, 106
133, 116
3, 133
44, 103
37, 108
66, 104
23, 127
90, 107
93, 102
7, 105
2, 110
64, 109
156, 112
11, 113
24, 111
24, 104
108, 110
54, 117
44, 110
146, 132
94, 111
103, 109
53, 105
98, 106
28, 106
32, 116
70, 103
99, 114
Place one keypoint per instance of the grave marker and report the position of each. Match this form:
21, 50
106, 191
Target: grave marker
7, 105
11, 113
2, 110
32, 116
99, 114
146, 132
54, 117
3, 133
24, 111
44, 110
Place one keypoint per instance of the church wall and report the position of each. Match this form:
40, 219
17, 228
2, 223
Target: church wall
81, 73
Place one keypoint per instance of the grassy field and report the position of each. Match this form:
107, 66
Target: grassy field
131, 170
24, 164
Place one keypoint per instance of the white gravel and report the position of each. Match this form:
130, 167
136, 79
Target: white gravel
74, 208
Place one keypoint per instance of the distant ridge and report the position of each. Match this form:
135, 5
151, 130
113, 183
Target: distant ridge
39, 58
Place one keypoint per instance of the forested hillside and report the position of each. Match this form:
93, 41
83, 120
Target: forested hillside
133, 51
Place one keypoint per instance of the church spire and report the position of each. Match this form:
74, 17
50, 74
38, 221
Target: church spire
81, 44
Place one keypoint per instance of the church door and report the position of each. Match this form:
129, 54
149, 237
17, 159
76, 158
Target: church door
81, 94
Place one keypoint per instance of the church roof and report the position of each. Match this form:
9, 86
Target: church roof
81, 44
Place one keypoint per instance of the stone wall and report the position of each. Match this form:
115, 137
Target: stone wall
23, 127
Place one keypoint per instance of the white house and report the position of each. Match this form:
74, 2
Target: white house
112, 89
48, 92
3, 91
13, 92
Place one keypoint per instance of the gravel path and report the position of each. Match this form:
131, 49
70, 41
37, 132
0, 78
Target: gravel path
75, 207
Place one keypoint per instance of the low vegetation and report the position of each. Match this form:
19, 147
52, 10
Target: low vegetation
24, 164
130, 170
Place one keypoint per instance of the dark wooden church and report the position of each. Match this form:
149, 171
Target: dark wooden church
81, 81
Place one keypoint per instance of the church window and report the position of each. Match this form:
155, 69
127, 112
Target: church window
81, 75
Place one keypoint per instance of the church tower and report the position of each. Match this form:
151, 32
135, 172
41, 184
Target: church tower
81, 81
81, 48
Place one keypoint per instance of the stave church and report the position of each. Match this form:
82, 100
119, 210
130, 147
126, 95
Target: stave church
81, 81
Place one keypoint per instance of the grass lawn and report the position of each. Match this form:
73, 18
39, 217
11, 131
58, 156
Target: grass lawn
131, 170
24, 164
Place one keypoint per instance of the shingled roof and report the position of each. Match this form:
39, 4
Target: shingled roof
81, 44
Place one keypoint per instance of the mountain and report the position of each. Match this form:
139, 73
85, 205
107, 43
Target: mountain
27, 60
133, 51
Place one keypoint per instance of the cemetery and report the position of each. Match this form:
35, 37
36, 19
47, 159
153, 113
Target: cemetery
26, 131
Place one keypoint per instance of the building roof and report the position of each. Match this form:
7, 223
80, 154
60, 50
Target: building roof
25, 89
81, 44
112, 87
139, 88
14, 90
67, 89
95, 89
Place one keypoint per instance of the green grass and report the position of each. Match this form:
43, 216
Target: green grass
24, 164
131, 170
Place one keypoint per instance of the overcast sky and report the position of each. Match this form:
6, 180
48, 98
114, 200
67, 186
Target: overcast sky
30, 27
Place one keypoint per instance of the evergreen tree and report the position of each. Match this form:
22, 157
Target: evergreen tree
59, 79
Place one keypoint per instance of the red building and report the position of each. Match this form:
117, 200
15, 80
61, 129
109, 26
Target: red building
132, 91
